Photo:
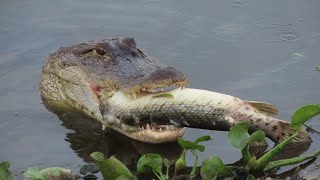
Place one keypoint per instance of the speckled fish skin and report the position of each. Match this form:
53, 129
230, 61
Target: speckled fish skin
197, 109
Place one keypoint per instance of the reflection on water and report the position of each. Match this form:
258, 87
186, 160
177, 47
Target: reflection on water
87, 137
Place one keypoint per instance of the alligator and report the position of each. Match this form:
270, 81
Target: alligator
122, 87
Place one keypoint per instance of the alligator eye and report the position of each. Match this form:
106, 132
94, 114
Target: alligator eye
62, 64
99, 52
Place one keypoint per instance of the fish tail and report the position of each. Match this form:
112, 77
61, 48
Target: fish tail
283, 130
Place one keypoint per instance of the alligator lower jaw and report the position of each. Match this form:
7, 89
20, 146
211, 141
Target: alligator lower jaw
153, 136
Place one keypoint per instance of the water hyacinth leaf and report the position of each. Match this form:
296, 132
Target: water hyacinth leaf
257, 136
212, 167
33, 173
54, 171
238, 135
153, 161
110, 168
188, 145
203, 138
4, 171
303, 114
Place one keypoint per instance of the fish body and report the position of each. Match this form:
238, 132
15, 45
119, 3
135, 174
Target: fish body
198, 109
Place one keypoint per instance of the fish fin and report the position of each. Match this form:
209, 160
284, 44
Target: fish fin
285, 130
265, 108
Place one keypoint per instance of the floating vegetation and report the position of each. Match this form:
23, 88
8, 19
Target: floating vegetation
212, 167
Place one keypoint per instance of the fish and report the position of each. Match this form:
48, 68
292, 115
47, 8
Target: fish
195, 108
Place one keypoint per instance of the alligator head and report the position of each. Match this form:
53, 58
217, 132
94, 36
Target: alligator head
80, 77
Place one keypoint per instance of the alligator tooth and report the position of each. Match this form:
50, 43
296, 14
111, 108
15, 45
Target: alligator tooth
143, 89
134, 95
152, 128
138, 92
148, 127
167, 127
162, 90
160, 129
142, 128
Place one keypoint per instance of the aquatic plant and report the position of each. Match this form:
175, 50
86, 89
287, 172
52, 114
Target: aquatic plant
211, 168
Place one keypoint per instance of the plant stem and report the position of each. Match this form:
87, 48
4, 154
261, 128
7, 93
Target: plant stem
193, 171
267, 157
181, 162
290, 161
246, 154
159, 177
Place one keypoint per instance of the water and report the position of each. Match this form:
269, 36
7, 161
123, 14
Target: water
254, 50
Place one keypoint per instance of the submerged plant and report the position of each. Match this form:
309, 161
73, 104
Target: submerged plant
211, 168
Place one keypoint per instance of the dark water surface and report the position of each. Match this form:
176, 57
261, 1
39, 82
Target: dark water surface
262, 50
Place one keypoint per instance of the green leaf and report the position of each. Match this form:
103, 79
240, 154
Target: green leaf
203, 138
54, 171
257, 136
98, 156
33, 173
238, 135
317, 68
303, 114
4, 171
212, 167
153, 161
185, 144
111, 168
